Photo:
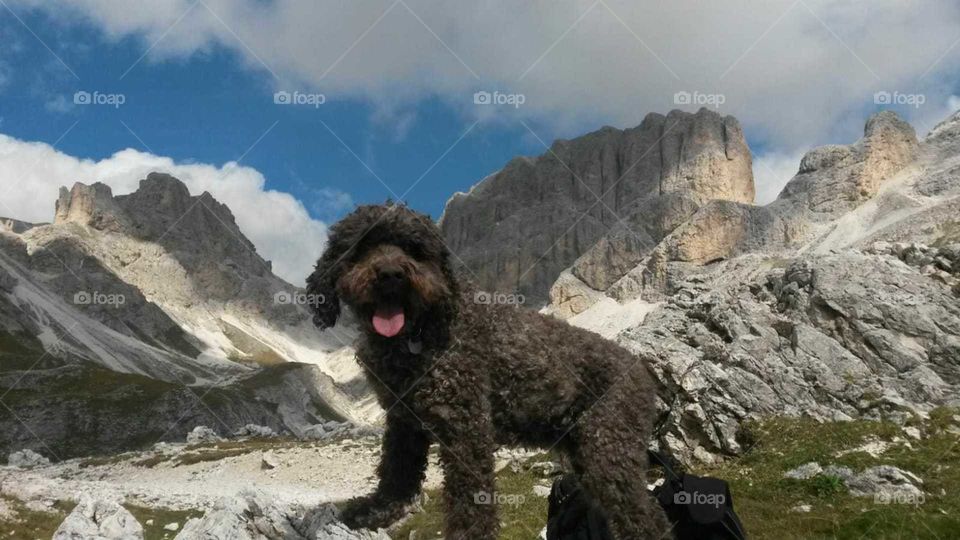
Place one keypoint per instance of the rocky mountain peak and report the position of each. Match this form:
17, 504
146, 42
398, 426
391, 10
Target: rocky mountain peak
836, 178
91, 205
520, 227
163, 208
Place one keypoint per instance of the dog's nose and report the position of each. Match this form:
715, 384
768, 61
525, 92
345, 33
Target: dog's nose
390, 274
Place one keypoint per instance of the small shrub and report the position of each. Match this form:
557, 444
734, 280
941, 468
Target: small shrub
825, 486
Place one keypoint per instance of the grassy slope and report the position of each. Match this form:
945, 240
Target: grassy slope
764, 499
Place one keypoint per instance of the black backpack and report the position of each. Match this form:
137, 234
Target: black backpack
572, 515
700, 508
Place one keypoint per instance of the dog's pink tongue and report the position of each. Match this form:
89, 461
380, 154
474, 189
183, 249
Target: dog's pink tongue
388, 322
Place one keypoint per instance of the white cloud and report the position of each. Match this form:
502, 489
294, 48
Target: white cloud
793, 72
279, 226
772, 171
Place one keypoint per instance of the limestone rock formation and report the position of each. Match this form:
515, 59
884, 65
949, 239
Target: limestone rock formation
253, 516
91, 205
99, 519
832, 337
27, 459
834, 185
838, 178
519, 228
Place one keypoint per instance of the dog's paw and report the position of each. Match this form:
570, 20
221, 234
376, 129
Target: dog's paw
370, 512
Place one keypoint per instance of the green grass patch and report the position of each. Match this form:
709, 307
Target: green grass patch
160, 517
522, 513
765, 500
28, 524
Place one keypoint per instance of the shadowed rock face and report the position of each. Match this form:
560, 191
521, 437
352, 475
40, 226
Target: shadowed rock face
519, 228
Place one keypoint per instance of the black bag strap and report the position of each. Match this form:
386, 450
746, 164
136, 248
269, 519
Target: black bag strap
664, 462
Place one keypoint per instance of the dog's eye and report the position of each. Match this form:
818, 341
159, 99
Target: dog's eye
416, 252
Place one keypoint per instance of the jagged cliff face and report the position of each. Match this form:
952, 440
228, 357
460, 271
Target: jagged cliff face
519, 228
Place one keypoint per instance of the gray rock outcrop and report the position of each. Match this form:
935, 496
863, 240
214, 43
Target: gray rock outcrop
833, 337
203, 435
885, 483
26, 459
99, 519
91, 205
252, 516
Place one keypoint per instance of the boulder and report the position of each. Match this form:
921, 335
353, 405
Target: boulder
203, 435
253, 516
251, 430
99, 519
804, 472
27, 459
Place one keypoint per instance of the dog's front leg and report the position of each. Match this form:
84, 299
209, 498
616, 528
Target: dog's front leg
403, 463
467, 456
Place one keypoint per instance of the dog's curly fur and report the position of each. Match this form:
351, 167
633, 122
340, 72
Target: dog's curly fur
472, 375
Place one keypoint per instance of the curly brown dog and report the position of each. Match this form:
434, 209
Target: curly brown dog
452, 367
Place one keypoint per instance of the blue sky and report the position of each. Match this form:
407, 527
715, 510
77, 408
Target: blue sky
198, 79
210, 108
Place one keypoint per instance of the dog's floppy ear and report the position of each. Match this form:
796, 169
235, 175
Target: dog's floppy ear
321, 286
